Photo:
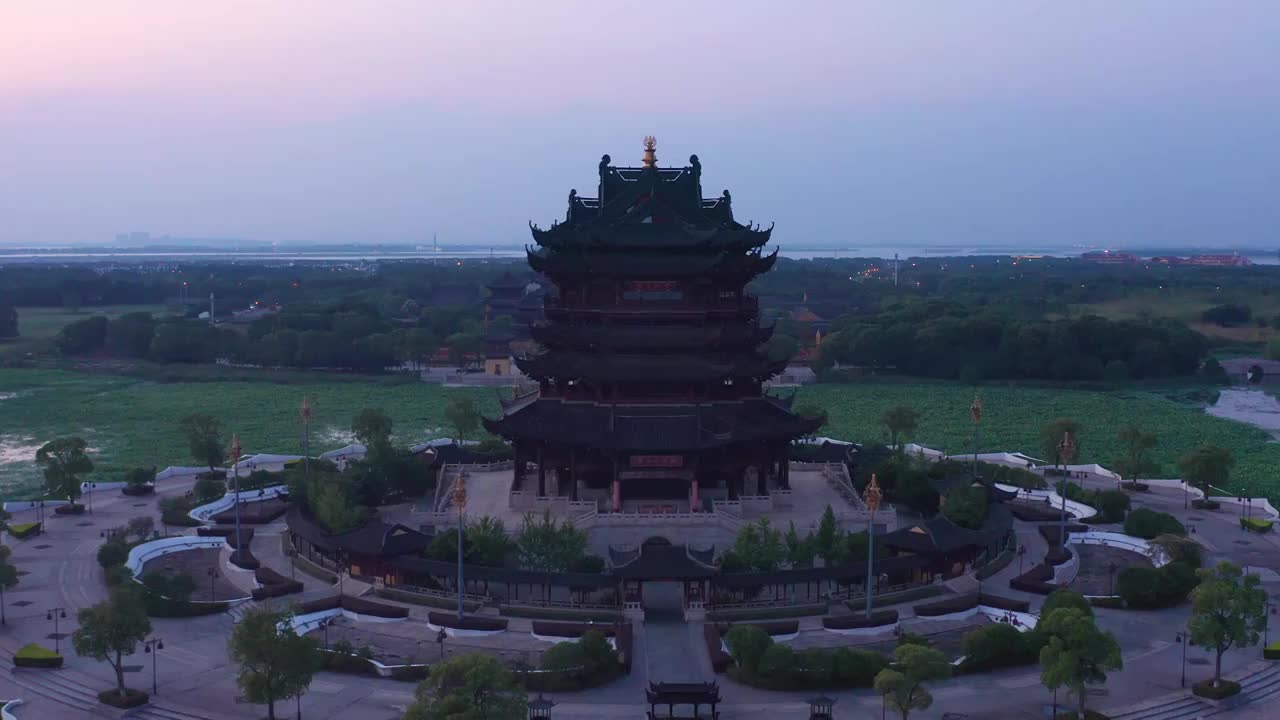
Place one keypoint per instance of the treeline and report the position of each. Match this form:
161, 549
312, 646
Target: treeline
955, 341
354, 336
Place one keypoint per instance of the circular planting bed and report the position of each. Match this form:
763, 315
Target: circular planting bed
1096, 561
196, 563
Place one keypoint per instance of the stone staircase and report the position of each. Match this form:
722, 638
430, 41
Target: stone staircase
1260, 681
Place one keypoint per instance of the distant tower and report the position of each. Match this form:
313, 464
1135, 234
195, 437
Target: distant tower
895, 269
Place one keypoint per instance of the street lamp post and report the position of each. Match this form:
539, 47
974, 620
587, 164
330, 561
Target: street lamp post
871, 496
1181, 638
1066, 451
1112, 567
293, 566
56, 614
1022, 551
460, 502
235, 478
92, 486
213, 575
153, 645
1266, 625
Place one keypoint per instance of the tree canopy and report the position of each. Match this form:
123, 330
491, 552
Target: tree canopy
902, 685
1206, 466
1077, 653
111, 630
545, 544
275, 662
204, 438
1228, 609
1051, 440
64, 460
900, 421
471, 686
1137, 462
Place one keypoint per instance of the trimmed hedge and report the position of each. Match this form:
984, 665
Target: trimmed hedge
1145, 588
853, 622
1272, 651
178, 517
138, 490
946, 606
132, 698
765, 613
1001, 602
22, 531
72, 509
243, 558
36, 656
468, 622
780, 627
997, 646
1057, 556
355, 605
417, 598
1136, 487
1205, 504
570, 630
1225, 689
1050, 532
273, 584
626, 643
1113, 603
257, 516
720, 660
1036, 580
551, 613
1255, 525
1000, 562
163, 607
1032, 513
1147, 524
902, 596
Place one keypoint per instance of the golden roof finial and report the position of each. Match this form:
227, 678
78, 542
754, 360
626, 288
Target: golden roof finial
872, 494
650, 146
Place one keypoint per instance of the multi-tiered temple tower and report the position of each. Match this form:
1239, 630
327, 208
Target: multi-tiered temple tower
651, 371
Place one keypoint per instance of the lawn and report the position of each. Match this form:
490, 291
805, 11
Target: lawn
1186, 306
131, 422
1013, 417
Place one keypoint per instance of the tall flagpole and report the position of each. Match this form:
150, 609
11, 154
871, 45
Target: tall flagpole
235, 475
305, 415
975, 412
1066, 451
871, 496
460, 502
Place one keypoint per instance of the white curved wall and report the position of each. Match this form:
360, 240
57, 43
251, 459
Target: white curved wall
1120, 541
228, 501
6, 712
141, 554
1075, 509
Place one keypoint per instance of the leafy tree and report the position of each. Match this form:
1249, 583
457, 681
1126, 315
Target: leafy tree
484, 542
902, 685
747, 644
208, 489
112, 630
1180, 549
138, 477
8, 577
465, 348
472, 686
900, 421
1137, 462
275, 662
1147, 523
130, 335
547, 545
1077, 654
1228, 610
141, 527
463, 416
204, 438
760, 545
1064, 598
418, 345
811, 411
112, 553
1051, 436
828, 536
966, 506
800, 550
372, 427
331, 500
64, 460
1206, 467
83, 336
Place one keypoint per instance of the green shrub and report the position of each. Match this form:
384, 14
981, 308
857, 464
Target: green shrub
777, 666
996, 646
1225, 689
902, 596
111, 553
1112, 505
1113, 603
1255, 525
545, 613
1180, 549
1065, 598
1272, 651
747, 644
766, 613
417, 598
856, 668
117, 575
1145, 588
22, 531
35, 656
208, 489
178, 517
1205, 504
132, 698
910, 638
1147, 524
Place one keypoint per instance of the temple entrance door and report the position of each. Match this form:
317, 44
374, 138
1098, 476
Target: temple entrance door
663, 600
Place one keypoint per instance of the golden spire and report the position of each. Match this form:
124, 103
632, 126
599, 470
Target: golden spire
872, 494
650, 146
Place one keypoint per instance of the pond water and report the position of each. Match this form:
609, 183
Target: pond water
1251, 406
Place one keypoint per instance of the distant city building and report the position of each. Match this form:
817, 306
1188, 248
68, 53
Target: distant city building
1219, 260
1106, 257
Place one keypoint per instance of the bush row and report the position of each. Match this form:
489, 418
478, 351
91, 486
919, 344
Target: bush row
946, 606
1148, 588
466, 622
570, 630
35, 656
132, 698
417, 598
355, 605
1001, 602
764, 663
780, 627
1033, 513
720, 660
552, 613
1255, 525
1147, 524
1000, 562
273, 584
765, 613
22, 531
1036, 580
860, 621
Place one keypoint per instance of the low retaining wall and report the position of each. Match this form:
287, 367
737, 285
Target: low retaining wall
228, 501
92, 487
1021, 621
1120, 541
22, 505
141, 554
6, 712
1075, 509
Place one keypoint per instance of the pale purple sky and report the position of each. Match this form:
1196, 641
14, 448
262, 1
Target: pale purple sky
848, 123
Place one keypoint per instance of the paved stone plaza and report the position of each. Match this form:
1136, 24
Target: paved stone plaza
196, 681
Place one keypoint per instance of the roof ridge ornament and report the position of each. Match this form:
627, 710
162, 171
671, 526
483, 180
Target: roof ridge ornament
650, 154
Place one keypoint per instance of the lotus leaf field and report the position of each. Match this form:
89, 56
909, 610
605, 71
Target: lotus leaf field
131, 422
